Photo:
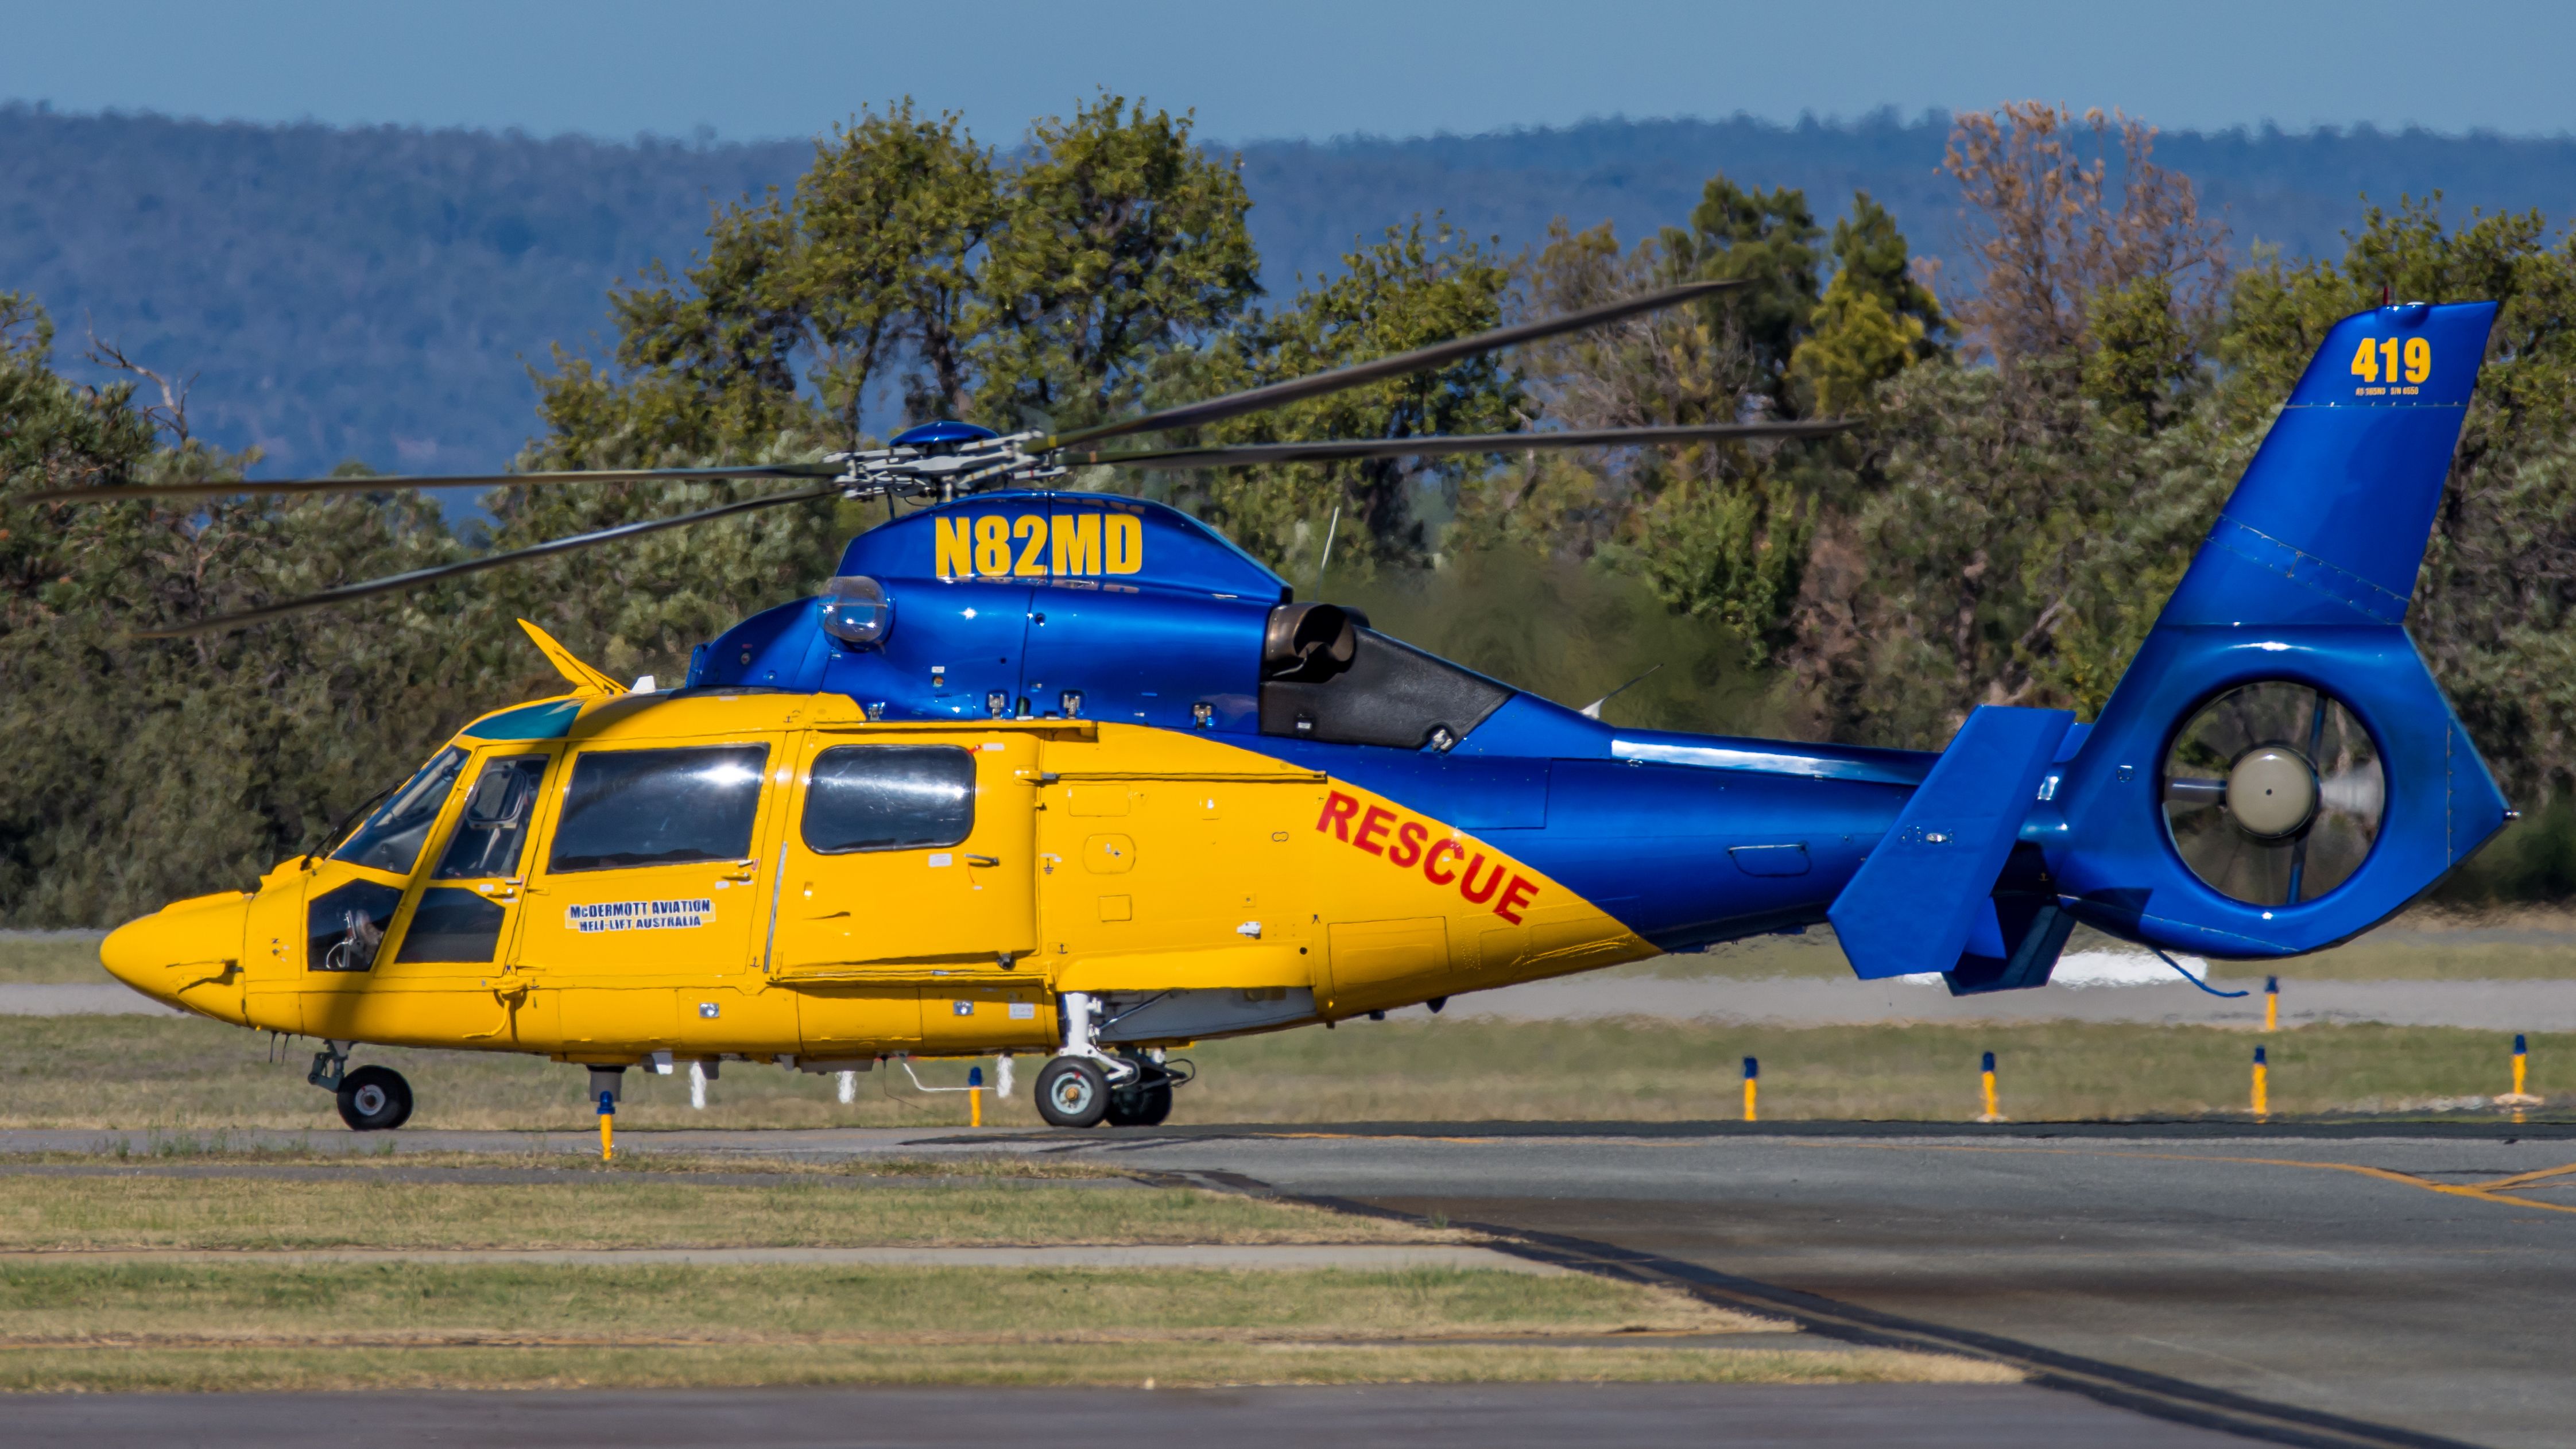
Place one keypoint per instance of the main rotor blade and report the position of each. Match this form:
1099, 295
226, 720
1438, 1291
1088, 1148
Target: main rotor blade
1243, 455
390, 483
1297, 389
417, 577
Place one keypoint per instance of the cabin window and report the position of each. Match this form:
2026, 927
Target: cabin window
390, 840
343, 927
452, 924
889, 797
659, 807
494, 826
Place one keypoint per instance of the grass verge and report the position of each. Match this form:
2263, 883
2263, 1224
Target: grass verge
629, 1210
2426, 944
52, 956
199, 1080
96, 1328
1428, 1069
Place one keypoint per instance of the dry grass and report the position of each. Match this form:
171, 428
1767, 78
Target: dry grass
1429, 1069
1133, 1364
2425, 944
198, 1081
72, 1327
635, 1211
180, 1152
52, 956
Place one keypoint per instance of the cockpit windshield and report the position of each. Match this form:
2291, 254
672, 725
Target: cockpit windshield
391, 838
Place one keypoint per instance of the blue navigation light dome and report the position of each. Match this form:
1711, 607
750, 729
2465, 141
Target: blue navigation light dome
929, 435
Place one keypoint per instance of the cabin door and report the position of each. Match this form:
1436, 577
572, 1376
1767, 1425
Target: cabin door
649, 867
462, 910
908, 855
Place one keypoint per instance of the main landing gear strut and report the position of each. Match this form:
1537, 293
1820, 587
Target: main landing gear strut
371, 1099
1086, 1086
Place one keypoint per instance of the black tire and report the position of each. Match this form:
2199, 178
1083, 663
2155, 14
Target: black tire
374, 1099
1144, 1106
1072, 1093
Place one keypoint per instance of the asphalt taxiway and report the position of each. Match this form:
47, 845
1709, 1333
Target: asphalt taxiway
1433, 1416
2335, 1283
2323, 1288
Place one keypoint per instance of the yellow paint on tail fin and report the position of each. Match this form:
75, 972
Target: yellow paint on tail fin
584, 679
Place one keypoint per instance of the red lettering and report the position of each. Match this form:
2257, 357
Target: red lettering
1373, 829
1431, 862
1467, 884
1515, 896
1408, 843
1338, 810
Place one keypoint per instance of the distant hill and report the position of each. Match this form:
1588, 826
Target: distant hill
375, 293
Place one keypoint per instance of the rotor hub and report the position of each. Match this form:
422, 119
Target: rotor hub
2272, 791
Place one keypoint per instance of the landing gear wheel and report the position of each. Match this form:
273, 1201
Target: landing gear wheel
1072, 1092
1144, 1106
374, 1099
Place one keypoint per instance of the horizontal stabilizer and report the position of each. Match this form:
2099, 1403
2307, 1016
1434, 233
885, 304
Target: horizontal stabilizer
1928, 887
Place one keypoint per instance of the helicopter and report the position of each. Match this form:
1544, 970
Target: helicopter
1070, 773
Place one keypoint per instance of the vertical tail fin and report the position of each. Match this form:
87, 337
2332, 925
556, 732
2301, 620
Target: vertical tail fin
2278, 770
2329, 524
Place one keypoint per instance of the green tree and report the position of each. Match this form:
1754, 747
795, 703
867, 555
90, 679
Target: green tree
1767, 240
1121, 240
1414, 287
2145, 358
1717, 531
151, 770
2496, 601
1876, 317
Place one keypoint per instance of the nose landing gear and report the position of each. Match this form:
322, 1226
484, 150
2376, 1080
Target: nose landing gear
371, 1099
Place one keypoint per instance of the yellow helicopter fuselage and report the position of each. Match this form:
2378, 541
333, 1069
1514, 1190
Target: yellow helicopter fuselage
614, 878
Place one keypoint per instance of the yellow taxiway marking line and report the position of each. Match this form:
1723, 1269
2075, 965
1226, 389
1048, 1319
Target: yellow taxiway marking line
2485, 1192
2520, 1179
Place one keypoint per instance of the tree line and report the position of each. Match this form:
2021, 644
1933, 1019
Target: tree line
2040, 443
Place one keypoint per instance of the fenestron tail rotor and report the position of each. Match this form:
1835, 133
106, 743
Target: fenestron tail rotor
953, 458
2273, 793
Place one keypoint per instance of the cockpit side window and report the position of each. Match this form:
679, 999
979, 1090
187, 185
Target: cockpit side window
391, 838
659, 807
494, 828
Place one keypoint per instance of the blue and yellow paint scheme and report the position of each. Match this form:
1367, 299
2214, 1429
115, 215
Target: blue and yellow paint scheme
1213, 809
1121, 860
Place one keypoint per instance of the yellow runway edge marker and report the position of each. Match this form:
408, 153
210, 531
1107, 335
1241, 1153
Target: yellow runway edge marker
2271, 1003
1752, 1086
974, 1096
607, 1115
2262, 1085
1987, 1073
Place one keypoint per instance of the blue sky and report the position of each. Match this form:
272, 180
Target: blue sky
1319, 68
